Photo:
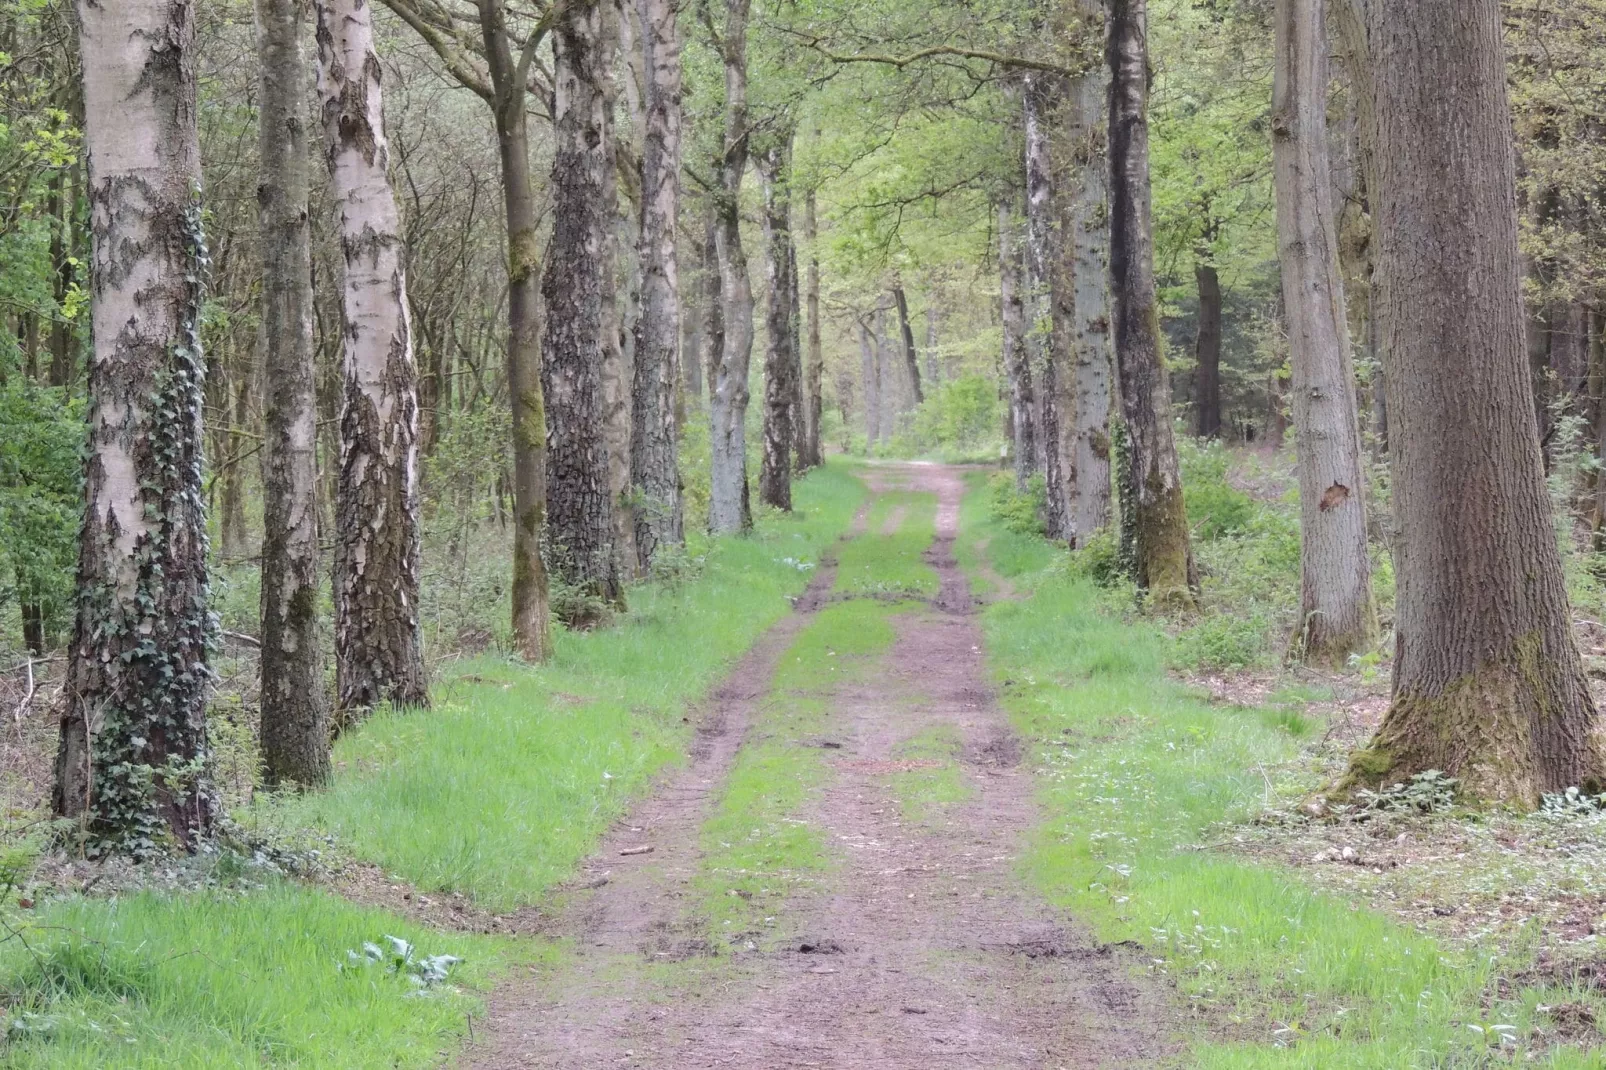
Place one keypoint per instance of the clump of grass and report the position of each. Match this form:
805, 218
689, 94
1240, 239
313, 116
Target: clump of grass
500, 789
1133, 771
224, 979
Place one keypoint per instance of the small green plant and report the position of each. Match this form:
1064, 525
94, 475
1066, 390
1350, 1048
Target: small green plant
1428, 792
1019, 511
400, 961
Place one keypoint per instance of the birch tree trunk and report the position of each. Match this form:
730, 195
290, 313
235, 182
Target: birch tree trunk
295, 711
1088, 222
581, 332
780, 382
1017, 362
531, 612
654, 456
1488, 682
1337, 617
911, 355
377, 652
1162, 553
137, 673
814, 363
729, 508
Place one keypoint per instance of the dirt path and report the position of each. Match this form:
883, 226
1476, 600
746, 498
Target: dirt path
924, 948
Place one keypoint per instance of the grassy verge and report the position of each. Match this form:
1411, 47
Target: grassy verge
504, 786
1135, 771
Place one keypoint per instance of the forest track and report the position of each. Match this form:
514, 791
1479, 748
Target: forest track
921, 946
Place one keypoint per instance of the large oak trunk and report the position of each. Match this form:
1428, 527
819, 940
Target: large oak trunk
295, 711
729, 509
1488, 683
780, 371
1336, 611
132, 760
581, 335
376, 514
1161, 549
654, 459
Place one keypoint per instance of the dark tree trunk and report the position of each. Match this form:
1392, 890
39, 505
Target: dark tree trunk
1017, 363
1207, 351
654, 457
1488, 683
1162, 552
377, 650
137, 674
713, 303
579, 292
295, 711
911, 355
63, 210
780, 373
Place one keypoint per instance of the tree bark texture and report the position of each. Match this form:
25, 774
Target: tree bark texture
1207, 351
780, 362
1017, 362
814, 358
622, 299
1337, 615
531, 607
1488, 682
654, 457
911, 355
1088, 223
729, 509
1163, 554
377, 652
131, 765
580, 328
295, 711
713, 302
1045, 259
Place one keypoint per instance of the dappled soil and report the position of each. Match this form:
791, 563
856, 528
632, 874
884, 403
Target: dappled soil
919, 946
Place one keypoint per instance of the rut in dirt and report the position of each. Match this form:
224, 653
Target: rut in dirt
919, 947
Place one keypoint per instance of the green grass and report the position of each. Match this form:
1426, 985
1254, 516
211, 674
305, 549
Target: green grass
1134, 772
924, 793
892, 565
229, 979
756, 851
505, 785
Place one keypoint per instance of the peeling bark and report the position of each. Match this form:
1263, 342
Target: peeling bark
295, 711
377, 652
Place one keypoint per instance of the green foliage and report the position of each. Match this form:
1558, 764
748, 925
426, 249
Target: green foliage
1428, 792
1020, 512
958, 422
41, 449
1223, 641
1215, 508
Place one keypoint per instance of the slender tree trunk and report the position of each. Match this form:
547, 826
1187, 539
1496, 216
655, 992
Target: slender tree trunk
1049, 299
911, 355
654, 456
579, 292
870, 376
886, 378
377, 652
295, 711
780, 383
1488, 683
1017, 362
1089, 225
1336, 617
622, 301
729, 506
531, 612
1163, 555
814, 364
713, 303
137, 674
63, 210
1207, 350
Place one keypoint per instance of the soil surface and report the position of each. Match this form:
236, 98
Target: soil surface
919, 947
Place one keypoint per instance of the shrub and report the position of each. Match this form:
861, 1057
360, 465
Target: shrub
1215, 508
1223, 642
1019, 512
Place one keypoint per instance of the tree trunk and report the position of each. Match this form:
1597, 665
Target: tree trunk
729, 509
780, 382
1162, 553
654, 458
622, 298
63, 210
531, 613
1336, 616
1046, 267
579, 292
911, 355
887, 392
1017, 363
870, 376
1207, 351
1089, 225
377, 651
295, 712
137, 674
814, 364
713, 304
1488, 683
933, 359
